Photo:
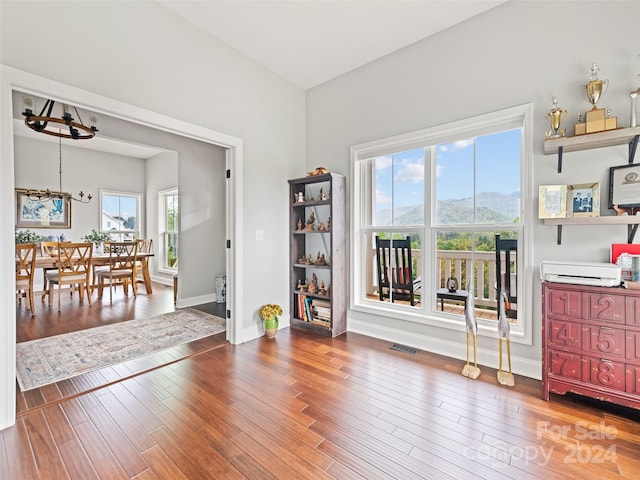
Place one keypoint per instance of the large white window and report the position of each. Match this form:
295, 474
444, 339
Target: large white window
168, 229
451, 189
120, 215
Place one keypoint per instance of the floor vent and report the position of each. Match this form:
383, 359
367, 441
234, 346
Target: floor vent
404, 348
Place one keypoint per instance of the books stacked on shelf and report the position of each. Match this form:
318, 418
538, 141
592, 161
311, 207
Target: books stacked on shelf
314, 310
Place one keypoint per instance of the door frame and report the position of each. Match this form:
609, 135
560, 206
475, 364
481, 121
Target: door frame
13, 79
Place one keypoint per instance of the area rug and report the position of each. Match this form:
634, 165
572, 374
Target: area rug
48, 360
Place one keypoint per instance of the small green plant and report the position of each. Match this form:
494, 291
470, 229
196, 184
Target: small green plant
97, 237
27, 236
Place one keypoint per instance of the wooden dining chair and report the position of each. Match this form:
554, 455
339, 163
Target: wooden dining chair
145, 245
48, 249
122, 268
25, 270
74, 269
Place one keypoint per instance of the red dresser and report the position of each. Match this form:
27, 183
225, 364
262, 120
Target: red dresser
591, 342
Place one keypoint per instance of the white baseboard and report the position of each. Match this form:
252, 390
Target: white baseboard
458, 350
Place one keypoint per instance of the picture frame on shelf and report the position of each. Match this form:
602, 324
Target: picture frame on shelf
624, 186
552, 202
583, 200
42, 213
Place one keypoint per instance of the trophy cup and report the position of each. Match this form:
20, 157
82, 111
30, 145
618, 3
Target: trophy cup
596, 88
597, 119
555, 118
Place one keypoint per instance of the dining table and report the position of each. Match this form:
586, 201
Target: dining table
102, 259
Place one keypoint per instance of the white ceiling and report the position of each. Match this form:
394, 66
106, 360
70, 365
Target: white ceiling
309, 42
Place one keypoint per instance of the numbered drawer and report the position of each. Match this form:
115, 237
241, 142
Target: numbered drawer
633, 311
605, 373
565, 334
563, 364
605, 307
604, 341
633, 379
563, 303
633, 347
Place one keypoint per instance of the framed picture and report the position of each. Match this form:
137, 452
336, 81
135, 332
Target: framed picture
552, 202
34, 213
583, 200
624, 186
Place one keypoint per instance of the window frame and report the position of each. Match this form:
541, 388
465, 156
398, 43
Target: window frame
521, 117
138, 232
162, 229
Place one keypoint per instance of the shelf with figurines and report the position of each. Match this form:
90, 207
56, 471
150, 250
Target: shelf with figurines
310, 225
308, 262
300, 200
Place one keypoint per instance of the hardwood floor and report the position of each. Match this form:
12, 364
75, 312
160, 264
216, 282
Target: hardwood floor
310, 407
76, 316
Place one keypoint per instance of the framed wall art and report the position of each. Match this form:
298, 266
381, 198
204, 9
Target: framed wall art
32, 212
583, 200
624, 186
552, 202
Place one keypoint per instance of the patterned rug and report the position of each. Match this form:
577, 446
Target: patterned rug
48, 360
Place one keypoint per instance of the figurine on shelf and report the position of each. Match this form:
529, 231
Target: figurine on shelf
323, 196
300, 197
320, 260
329, 290
313, 287
317, 171
323, 290
321, 227
329, 223
299, 224
311, 222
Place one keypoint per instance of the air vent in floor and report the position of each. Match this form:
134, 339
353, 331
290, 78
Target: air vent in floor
404, 348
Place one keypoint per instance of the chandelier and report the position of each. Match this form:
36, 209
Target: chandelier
50, 125
44, 195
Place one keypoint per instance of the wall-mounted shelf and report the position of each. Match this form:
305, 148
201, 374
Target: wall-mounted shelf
632, 222
609, 138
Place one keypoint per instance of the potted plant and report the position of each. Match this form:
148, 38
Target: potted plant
97, 238
269, 313
27, 236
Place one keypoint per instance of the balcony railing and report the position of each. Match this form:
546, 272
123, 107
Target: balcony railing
451, 263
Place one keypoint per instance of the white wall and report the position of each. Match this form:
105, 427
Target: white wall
517, 53
144, 56
36, 167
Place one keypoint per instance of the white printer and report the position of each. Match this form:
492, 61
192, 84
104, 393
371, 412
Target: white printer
581, 273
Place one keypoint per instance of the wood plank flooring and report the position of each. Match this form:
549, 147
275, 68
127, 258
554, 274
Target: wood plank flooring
307, 407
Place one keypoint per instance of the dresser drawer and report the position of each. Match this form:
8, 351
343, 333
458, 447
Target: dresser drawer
633, 347
607, 308
604, 341
565, 334
604, 373
567, 365
633, 379
563, 304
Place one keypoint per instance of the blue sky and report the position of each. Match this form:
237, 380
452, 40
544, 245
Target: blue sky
124, 207
401, 175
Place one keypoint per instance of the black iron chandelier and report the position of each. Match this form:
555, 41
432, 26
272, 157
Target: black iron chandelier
51, 125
